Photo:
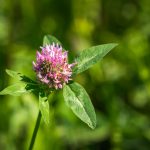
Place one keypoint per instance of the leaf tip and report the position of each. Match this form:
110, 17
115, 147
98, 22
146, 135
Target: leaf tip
115, 44
7, 71
92, 125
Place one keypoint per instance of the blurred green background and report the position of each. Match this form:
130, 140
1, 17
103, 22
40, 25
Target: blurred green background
119, 86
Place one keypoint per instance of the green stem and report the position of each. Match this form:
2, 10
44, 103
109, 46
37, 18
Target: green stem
35, 131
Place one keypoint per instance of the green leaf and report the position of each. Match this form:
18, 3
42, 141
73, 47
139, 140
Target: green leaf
20, 76
13, 74
15, 90
44, 107
78, 100
49, 39
90, 56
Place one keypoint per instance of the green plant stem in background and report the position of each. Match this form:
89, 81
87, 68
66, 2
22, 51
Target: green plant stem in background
35, 131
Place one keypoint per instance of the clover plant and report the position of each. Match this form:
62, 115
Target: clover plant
53, 72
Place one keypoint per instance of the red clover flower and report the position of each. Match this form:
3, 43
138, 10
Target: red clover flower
52, 66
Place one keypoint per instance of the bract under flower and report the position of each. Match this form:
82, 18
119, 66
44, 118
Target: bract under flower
52, 66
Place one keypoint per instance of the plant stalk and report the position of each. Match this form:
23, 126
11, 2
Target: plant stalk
35, 131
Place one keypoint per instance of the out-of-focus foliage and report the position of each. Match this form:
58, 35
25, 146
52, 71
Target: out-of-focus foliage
119, 86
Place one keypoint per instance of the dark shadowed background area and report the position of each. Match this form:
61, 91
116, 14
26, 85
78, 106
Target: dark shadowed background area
119, 86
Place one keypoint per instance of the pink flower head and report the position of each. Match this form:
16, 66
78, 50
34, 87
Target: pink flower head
52, 66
